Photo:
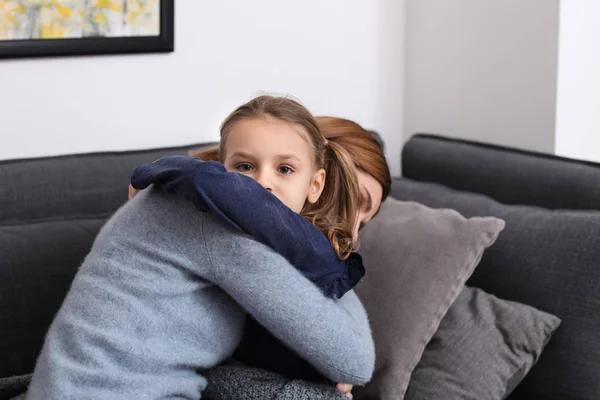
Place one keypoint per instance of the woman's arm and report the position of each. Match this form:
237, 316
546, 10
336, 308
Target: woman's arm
333, 335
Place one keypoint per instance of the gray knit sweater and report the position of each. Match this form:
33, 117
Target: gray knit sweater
155, 304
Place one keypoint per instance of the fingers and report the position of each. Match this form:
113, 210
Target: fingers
345, 388
132, 192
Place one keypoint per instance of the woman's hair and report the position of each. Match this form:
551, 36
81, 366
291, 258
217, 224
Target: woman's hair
336, 211
367, 152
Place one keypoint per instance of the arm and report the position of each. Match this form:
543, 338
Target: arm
333, 335
243, 204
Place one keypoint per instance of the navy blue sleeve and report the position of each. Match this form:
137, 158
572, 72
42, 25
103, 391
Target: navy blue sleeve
245, 205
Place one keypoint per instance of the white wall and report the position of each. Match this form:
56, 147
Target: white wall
483, 70
391, 78
578, 100
333, 55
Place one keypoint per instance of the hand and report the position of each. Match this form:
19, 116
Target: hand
345, 388
132, 192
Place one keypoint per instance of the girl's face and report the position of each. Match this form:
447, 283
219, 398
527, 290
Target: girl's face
371, 192
277, 156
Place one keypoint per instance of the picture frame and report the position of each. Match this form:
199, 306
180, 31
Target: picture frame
129, 41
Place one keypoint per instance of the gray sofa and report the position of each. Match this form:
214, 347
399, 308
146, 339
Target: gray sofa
548, 256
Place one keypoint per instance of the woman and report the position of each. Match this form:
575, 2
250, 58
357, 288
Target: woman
164, 292
236, 381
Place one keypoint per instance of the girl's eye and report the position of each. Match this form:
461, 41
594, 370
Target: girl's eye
285, 170
245, 167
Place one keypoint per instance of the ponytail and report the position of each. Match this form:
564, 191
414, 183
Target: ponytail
336, 211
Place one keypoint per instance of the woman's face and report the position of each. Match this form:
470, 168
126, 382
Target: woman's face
370, 200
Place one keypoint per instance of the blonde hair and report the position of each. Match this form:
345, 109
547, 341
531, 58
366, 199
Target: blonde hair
336, 210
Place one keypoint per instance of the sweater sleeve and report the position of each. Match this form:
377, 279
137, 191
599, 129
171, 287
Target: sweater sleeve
243, 204
332, 335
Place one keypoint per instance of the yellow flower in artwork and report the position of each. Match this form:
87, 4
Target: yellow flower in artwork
115, 6
51, 32
100, 19
65, 12
11, 18
11, 7
11, 13
49, 28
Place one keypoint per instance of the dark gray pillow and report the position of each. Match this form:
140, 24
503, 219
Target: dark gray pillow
13, 386
549, 260
482, 349
417, 261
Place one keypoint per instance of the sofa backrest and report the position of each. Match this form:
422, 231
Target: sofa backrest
509, 176
51, 210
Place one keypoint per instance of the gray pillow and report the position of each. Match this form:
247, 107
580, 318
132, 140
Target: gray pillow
417, 261
482, 349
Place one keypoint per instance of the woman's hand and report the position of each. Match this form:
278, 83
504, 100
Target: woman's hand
345, 388
132, 192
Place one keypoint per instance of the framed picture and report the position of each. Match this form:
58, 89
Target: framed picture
36, 28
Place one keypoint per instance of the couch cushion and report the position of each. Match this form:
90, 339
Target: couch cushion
418, 260
549, 260
71, 186
56, 206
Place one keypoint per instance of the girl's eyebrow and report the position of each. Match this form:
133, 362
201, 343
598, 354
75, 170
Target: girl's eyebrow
290, 156
241, 154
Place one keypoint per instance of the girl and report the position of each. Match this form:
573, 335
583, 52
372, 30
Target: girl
276, 155
154, 303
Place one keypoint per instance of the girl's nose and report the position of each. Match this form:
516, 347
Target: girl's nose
264, 180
